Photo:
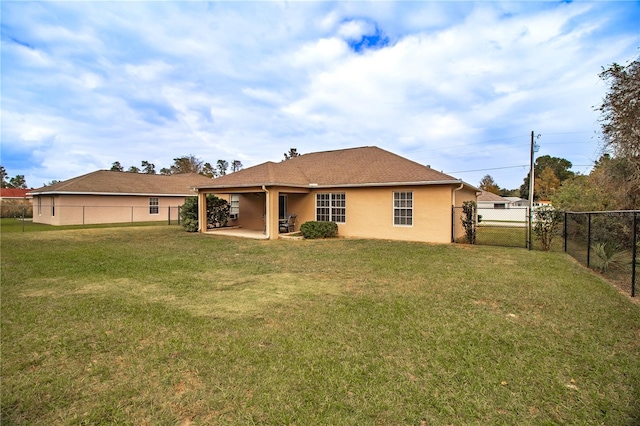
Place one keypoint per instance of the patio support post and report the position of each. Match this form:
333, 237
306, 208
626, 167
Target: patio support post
202, 212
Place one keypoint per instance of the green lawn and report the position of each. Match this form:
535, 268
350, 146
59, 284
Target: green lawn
152, 325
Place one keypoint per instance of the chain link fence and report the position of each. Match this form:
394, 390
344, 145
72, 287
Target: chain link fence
98, 215
606, 242
498, 227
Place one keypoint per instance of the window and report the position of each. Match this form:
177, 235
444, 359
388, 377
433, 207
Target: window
403, 208
154, 205
234, 210
331, 207
39, 205
53, 206
499, 206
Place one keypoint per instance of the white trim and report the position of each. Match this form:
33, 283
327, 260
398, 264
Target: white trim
393, 207
330, 207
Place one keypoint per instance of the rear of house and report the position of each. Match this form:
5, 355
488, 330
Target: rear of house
368, 192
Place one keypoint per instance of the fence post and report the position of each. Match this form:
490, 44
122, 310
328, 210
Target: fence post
169, 214
83, 216
179, 207
588, 240
132, 215
565, 232
634, 254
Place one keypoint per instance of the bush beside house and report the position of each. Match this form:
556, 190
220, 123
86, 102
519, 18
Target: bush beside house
313, 229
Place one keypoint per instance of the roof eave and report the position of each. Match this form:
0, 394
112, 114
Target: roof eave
140, 194
342, 185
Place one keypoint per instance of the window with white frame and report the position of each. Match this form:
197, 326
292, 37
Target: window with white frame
403, 208
154, 205
39, 205
234, 209
53, 206
331, 207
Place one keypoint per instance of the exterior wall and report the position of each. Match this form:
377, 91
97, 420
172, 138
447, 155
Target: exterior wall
93, 209
252, 210
369, 213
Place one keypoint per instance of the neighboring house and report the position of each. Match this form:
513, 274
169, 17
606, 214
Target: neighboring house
15, 202
368, 192
517, 202
495, 209
489, 200
106, 196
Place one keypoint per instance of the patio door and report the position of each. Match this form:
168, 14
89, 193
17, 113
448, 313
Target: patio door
282, 207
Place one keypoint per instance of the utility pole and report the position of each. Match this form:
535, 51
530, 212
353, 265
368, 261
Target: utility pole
534, 148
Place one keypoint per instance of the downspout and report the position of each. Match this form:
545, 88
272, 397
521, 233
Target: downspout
266, 213
453, 212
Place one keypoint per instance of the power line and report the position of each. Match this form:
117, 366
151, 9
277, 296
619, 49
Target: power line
482, 170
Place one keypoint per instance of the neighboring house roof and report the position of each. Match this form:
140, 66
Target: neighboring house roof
107, 182
14, 193
365, 166
517, 199
491, 197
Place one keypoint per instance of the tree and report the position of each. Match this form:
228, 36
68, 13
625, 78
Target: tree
235, 166
53, 182
208, 170
620, 122
222, 166
165, 171
133, 169
578, 194
117, 167
488, 184
559, 166
3, 173
18, 182
293, 152
546, 184
148, 168
186, 164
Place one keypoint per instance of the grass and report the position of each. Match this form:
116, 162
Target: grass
152, 325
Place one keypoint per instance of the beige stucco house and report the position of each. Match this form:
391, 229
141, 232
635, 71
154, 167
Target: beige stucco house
106, 196
367, 191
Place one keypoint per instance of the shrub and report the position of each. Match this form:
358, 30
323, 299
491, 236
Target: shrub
468, 219
608, 255
312, 230
546, 226
217, 213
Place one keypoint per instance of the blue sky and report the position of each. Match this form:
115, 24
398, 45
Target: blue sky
455, 85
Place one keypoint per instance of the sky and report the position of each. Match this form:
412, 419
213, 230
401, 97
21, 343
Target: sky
455, 85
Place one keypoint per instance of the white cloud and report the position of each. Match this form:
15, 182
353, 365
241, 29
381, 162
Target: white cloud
93, 83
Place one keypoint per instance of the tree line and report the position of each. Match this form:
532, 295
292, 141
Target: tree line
614, 181
185, 164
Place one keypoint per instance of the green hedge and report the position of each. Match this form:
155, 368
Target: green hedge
314, 230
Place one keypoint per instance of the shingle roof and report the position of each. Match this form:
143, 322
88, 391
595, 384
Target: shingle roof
111, 182
347, 167
490, 196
